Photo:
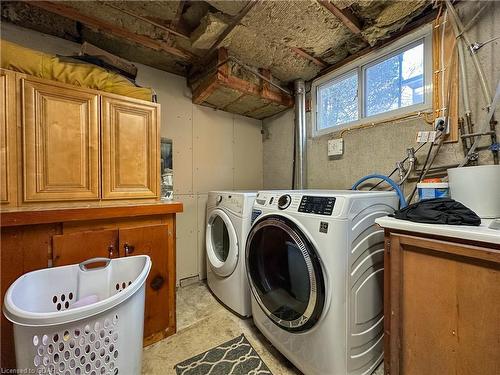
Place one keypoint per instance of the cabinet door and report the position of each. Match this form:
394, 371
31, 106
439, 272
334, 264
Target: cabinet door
8, 138
130, 149
443, 305
61, 142
74, 248
24, 249
159, 316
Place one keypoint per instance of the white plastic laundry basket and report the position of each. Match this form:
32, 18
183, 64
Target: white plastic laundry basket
104, 337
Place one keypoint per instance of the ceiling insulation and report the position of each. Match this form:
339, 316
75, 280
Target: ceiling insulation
227, 86
245, 44
232, 7
392, 18
210, 27
291, 38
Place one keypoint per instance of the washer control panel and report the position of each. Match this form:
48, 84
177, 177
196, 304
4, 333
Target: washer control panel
317, 205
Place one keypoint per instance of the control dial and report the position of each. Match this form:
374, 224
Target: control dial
218, 199
284, 201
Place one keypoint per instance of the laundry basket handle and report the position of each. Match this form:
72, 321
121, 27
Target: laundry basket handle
83, 265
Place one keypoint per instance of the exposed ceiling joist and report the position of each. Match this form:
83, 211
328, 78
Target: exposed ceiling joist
117, 31
178, 14
235, 21
315, 60
427, 17
169, 30
344, 15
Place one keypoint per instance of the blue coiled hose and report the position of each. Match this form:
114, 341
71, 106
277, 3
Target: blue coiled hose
394, 185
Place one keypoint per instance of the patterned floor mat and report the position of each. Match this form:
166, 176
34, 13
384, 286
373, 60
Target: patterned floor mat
234, 357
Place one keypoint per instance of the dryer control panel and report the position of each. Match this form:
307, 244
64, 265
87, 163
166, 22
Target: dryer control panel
317, 205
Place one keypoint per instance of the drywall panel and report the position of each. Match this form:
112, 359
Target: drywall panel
187, 247
213, 150
202, 214
278, 150
176, 121
247, 153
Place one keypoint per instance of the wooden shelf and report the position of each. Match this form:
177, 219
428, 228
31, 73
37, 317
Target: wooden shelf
23, 217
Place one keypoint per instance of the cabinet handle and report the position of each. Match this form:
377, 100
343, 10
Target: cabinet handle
129, 249
157, 282
111, 251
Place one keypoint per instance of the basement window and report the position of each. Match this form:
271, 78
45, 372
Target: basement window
391, 82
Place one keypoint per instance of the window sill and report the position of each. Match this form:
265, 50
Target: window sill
421, 111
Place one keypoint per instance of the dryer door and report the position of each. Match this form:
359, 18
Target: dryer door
222, 243
285, 273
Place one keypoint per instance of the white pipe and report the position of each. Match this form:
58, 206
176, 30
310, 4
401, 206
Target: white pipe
493, 105
463, 71
300, 180
463, 35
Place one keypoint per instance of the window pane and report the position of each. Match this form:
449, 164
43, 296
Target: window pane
338, 102
395, 82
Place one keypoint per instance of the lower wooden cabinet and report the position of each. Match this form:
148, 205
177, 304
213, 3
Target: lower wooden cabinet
155, 241
442, 306
74, 248
62, 237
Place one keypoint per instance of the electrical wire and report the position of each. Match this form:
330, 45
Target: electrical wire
410, 197
405, 159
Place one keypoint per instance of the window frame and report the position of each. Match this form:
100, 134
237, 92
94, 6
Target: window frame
423, 34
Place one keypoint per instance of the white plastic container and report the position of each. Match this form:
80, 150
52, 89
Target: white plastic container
430, 190
104, 337
478, 188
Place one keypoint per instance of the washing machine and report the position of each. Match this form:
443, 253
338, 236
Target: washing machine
229, 216
315, 262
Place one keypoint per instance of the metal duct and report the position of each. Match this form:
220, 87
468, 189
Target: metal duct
300, 180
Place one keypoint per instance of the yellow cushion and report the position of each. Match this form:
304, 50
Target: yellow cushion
42, 65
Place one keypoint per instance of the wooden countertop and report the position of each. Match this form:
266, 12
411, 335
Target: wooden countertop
45, 216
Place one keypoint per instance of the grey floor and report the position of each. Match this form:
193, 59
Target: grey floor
203, 323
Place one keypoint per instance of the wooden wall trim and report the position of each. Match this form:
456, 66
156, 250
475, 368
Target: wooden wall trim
15, 218
472, 243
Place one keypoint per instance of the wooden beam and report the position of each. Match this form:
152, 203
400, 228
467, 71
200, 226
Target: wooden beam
252, 89
344, 15
169, 30
234, 22
316, 60
222, 64
106, 27
205, 89
178, 15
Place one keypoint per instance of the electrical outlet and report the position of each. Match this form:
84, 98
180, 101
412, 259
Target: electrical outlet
426, 136
438, 123
335, 147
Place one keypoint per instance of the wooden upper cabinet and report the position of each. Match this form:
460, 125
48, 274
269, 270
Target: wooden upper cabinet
130, 144
61, 142
8, 138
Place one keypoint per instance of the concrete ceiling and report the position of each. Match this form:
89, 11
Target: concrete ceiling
292, 38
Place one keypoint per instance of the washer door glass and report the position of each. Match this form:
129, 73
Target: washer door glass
222, 243
285, 273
